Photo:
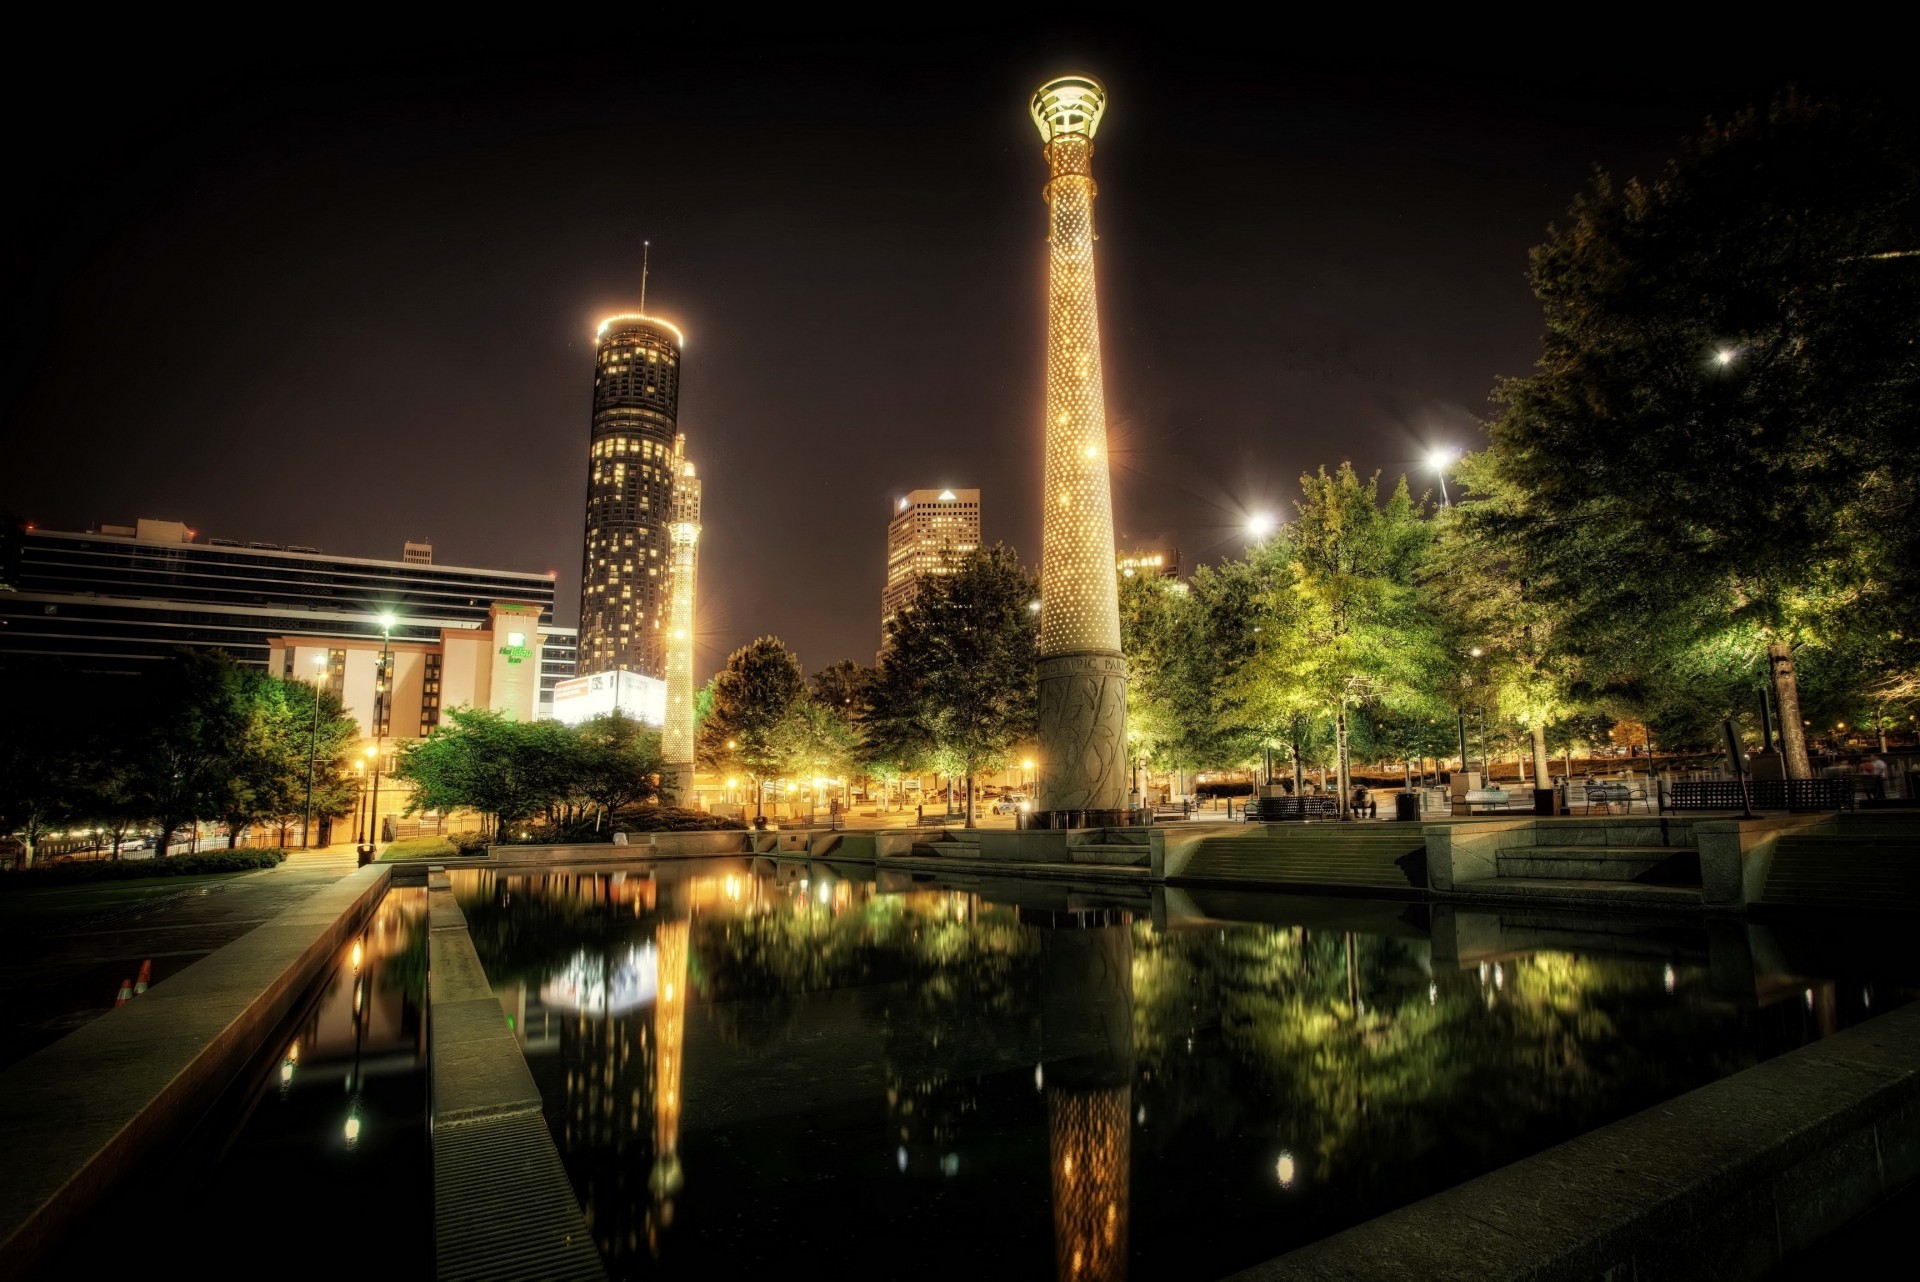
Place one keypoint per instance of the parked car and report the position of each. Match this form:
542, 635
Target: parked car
1011, 805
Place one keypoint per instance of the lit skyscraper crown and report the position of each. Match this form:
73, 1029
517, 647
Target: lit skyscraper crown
1068, 105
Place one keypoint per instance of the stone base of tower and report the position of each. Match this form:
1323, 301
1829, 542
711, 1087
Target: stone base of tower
1083, 742
676, 783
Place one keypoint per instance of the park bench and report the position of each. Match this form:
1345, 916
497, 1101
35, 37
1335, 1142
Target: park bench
1607, 794
1485, 798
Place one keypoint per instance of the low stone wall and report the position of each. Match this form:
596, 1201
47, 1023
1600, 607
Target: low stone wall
82, 1113
502, 1203
1726, 1181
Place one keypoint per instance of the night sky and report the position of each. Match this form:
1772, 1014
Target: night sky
344, 295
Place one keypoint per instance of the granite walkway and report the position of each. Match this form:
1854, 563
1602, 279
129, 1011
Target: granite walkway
54, 983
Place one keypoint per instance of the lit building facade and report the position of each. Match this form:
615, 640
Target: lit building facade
676, 734
118, 600
634, 456
496, 667
1082, 676
931, 530
1152, 563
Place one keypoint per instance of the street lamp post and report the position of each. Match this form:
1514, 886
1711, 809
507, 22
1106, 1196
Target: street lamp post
313, 740
1440, 460
382, 683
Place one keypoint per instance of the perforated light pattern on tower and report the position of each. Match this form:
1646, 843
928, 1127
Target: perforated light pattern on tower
1079, 601
676, 736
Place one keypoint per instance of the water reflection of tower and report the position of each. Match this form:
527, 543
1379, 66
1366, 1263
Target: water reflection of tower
669, 1039
1087, 1027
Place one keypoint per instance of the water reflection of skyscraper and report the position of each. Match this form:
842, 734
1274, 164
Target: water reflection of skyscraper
615, 1015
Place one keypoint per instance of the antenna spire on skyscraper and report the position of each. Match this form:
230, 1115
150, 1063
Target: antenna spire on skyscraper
646, 252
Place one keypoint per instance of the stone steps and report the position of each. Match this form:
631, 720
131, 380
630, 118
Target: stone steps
1664, 865
1622, 895
1871, 867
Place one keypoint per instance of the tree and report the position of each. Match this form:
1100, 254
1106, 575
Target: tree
1715, 451
1170, 673
958, 678
617, 763
194, 717
755, 698
478, 759
44, 766
1362, 630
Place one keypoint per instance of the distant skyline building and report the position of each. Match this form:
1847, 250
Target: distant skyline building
634, 454
1082, 712
1162, 563
118, 600
929, 532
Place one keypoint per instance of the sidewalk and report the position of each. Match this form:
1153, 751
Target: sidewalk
56, 982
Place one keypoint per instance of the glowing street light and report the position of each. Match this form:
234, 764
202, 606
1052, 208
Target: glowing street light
1440, 459
1726, 356
1260, 525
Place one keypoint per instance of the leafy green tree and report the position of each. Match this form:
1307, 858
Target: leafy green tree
958, 678
44, 767
192, 723
1362, 630
617, 763
756, 699
482, 760
1171, 678
1715, 453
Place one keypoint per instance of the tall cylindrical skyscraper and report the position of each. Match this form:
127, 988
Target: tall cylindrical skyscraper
1083, 678
625, 574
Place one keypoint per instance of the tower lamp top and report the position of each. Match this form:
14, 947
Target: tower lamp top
1068, 105
655, 321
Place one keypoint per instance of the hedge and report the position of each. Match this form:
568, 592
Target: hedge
211, 861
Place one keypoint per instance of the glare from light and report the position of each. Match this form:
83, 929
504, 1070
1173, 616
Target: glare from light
1441, 458
1284, 1169
1261, 524
1033, 607
352, 1130
388, 619
1726, 356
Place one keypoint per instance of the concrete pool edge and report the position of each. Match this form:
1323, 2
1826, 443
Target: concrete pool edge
82, 1113
502, 1202
1729, 1180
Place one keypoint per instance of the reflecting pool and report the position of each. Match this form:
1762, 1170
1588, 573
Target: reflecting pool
316, 1160
751, 1063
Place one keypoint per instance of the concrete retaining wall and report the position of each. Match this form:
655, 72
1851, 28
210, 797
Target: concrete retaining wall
1725, 1182
82, 1113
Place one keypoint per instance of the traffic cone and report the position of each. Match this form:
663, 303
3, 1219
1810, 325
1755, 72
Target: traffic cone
126, 994
146, 974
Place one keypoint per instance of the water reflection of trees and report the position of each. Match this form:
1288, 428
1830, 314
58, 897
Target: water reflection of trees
1345, 1048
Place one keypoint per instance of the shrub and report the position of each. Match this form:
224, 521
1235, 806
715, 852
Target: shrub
672, 819
468, 843
134, 869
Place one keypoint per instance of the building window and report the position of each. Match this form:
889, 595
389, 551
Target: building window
430, 697
337, 673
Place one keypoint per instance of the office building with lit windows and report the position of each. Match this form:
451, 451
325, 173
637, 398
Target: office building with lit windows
931, 530
119, 599
635, 455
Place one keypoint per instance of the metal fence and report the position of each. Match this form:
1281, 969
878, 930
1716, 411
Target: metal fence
1767, 794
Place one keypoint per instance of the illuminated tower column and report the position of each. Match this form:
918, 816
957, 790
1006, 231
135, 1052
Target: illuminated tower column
676, 736
1083, 679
